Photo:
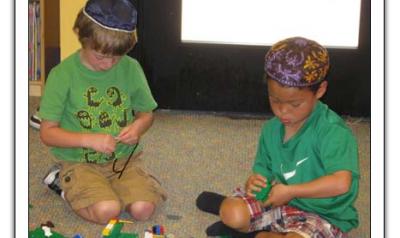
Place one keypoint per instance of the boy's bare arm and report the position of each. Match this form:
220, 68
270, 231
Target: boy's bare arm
52, 135
327, 186
132, 133
143, 121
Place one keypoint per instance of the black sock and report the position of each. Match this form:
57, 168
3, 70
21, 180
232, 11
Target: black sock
220, 229
209, 202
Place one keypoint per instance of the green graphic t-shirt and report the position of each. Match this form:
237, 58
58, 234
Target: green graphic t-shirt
82, 100
322, 146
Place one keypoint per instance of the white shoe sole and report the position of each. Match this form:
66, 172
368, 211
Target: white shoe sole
34, 122
49, 179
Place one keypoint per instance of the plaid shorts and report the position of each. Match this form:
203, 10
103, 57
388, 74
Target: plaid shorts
286, 219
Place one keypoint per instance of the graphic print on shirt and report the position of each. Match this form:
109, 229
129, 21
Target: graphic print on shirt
292, 172
104, 120
124, 121
90, 155
114, 96
105, 111
91, 92
84, 119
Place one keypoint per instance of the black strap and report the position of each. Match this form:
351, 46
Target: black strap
126, 163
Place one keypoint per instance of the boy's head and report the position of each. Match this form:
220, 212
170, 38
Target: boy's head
107, 26
296, 69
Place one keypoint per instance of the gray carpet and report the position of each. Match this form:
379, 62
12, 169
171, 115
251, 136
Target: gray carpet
189, 153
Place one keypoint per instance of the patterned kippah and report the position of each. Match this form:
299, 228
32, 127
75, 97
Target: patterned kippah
117, 15
297, 62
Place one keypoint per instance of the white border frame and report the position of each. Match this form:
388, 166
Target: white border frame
392, 115
21, 119
7, 119
377, 119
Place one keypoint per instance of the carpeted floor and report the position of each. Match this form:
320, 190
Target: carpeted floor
189, 153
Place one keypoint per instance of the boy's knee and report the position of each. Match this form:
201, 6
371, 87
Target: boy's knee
293, 235
141, 210
235, 214
106, 210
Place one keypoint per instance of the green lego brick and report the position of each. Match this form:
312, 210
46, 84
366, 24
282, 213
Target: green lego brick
263, 194
39, 233
126, 235
116, 232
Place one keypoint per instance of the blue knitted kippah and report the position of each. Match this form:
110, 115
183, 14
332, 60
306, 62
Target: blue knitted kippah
118, 15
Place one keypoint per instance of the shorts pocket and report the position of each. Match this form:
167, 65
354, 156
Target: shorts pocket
68, 181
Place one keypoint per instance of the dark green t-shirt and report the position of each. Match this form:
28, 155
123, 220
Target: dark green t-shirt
81, 100
322, 146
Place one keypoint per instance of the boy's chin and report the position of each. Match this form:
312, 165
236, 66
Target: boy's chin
103, 70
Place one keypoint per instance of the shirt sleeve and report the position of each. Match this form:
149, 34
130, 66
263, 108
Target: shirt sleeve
55, 96
339, 150
262, 163
142, 98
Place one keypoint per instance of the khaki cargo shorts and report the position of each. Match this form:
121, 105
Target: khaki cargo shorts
85, 184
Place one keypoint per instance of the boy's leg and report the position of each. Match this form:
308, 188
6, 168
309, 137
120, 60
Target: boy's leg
139, 191
100, 212
220, 229
210, 202
141, 210
298, 223
235, 213
88, 192
246, 214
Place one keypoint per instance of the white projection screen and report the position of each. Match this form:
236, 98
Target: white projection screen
333, 23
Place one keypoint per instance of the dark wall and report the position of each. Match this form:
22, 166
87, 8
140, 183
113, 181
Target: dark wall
211, 77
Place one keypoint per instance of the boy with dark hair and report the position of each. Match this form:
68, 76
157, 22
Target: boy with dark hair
306, 152
87, 119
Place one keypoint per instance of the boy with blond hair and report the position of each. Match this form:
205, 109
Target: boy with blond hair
87, 118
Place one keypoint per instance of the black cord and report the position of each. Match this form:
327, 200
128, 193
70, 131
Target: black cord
126, 163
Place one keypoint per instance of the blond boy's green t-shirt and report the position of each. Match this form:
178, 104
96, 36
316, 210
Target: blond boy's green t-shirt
322, 146
86, 101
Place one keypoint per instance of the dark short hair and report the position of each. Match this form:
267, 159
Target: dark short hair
313, 88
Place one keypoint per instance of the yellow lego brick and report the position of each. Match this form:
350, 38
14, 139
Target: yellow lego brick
107, 230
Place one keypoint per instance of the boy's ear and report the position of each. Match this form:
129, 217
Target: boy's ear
76, 31
322, 89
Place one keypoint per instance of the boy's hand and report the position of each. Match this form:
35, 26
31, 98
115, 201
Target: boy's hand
279, 195
129, 135
103, 143
254, 184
